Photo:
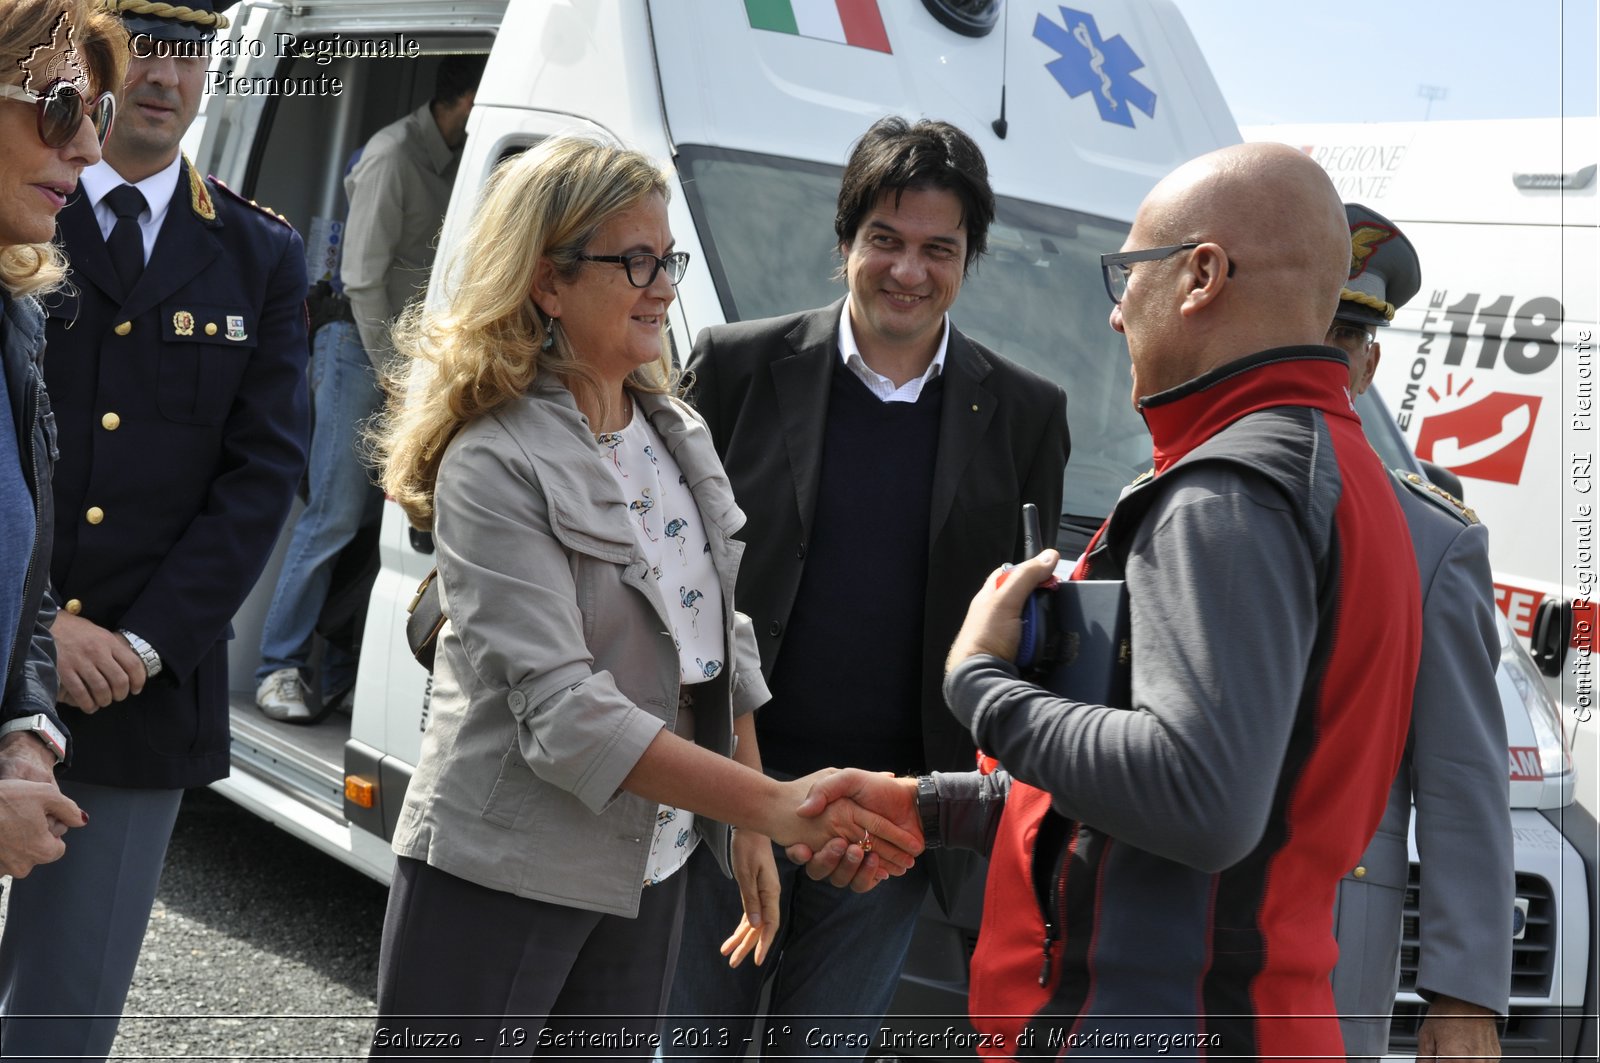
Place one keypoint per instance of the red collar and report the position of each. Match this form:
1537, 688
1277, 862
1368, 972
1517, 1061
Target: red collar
1183, 417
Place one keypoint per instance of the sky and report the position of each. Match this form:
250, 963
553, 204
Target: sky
1364, 60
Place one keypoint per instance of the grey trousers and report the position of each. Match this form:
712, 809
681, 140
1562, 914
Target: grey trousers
74, 927
470, 971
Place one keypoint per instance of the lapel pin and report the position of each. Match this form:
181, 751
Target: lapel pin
235, 327
183, 323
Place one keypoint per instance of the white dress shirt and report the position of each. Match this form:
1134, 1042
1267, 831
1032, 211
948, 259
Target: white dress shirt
157, 190
876, 382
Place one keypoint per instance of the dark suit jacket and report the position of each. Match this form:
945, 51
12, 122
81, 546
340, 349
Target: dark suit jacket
762, 387
182, 414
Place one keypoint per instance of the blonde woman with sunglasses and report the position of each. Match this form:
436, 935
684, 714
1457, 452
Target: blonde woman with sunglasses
55, 55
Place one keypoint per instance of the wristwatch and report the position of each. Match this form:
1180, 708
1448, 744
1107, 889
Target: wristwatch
43, 728
147, 653
928, 812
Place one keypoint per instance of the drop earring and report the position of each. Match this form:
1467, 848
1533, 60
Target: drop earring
549, 335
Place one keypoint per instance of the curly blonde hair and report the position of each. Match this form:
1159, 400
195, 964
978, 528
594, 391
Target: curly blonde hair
483, 347
101, 41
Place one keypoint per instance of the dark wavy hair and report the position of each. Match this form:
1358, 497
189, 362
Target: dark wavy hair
897, 156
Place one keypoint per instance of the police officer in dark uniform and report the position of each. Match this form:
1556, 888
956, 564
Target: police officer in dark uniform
177, 370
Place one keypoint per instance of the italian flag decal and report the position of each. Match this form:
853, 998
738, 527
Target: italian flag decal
853, 22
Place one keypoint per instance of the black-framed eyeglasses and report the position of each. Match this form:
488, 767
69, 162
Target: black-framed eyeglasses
61, 109
642, 266
1115, 266
1352, 339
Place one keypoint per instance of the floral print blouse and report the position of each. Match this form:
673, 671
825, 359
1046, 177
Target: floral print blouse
666, 522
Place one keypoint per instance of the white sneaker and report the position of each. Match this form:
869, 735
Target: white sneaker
282, 696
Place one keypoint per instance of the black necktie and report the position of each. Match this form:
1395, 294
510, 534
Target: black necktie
127, 242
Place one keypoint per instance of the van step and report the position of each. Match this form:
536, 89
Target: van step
306, 762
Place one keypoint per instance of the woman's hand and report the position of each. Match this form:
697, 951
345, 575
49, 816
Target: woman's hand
757, 874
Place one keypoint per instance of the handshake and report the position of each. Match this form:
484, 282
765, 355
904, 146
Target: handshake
885, 808
852, 827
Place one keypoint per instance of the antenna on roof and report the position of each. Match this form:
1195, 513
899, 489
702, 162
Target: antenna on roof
999, 125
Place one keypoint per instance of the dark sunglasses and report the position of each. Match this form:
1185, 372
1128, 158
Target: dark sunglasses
61, 110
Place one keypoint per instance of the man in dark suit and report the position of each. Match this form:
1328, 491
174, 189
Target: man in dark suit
882, 459
177, 372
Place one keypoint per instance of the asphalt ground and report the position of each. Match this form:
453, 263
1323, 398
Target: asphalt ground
259, 947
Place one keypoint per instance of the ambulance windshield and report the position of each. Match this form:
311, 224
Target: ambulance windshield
1037, 298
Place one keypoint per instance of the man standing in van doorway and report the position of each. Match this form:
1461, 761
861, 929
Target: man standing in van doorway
397, 190
871, 445
1454, 767
177, 372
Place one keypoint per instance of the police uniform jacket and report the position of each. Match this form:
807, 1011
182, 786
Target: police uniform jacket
182, 413
1454, 772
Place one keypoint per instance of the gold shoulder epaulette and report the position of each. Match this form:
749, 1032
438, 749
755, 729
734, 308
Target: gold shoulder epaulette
252, 204
1441, 498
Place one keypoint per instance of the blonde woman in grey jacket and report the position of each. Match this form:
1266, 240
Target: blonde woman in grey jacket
593, 686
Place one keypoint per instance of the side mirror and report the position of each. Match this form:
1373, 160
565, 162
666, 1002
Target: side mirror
1443, 478
1552, 635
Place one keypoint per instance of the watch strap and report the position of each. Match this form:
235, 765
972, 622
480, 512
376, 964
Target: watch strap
147, 653
41, 727
928, 812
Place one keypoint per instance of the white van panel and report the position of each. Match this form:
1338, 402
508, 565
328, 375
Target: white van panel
802, 97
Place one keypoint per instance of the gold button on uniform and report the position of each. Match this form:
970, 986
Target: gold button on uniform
1360, 872
74, 606
95, 515
211, 328
110, 422
124, 328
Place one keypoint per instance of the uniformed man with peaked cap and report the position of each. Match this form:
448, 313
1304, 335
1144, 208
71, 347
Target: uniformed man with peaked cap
1454, 769
177, 370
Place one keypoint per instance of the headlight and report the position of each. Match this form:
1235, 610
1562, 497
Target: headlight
1517, 668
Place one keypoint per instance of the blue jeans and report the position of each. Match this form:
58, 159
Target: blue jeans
343, 497
834, 966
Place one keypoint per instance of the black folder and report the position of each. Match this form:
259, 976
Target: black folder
1093, 643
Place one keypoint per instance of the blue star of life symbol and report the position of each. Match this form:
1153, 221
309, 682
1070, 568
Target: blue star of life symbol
1090, 63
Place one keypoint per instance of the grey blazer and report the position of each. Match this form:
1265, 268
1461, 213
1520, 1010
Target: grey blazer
556, 667
1454, 771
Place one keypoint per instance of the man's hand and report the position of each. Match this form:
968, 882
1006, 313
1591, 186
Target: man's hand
33, 817
23, 756
1456, 1030
97, 666
757, 875
994, 619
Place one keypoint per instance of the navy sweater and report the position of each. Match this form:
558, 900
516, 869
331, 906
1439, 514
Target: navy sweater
846, 688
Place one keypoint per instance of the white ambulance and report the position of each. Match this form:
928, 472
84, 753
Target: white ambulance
1079, 110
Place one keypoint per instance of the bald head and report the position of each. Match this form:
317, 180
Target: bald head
1275, 251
